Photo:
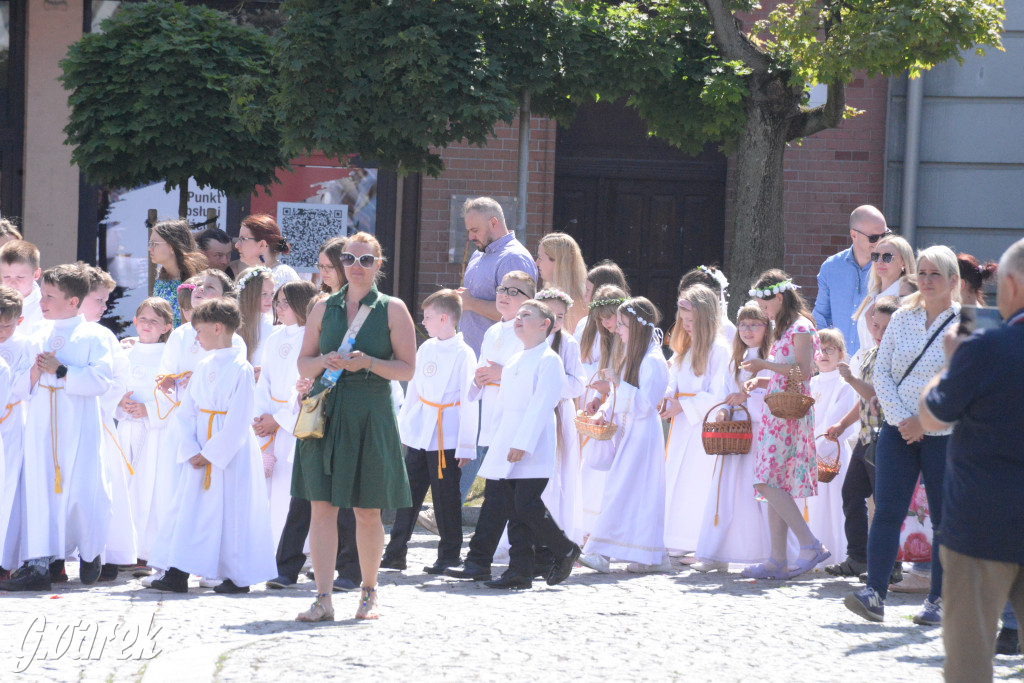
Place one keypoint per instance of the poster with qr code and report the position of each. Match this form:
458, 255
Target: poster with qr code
306, 226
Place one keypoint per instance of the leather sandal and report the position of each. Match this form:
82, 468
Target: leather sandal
368, 604
319, 611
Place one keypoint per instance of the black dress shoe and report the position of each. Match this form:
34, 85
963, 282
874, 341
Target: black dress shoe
228, 587
563, 567
57, 572
392, 562
541, 571
470, 570
173, 581
89, 572
26, 578
510, 581
1007, 642
440, 566
280, 582
108, 572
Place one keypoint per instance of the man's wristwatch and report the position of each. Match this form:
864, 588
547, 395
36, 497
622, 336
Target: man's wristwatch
62, 371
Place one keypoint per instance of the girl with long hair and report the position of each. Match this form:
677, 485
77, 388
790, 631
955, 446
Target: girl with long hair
256, 301
697, 373
560, 264
714, 279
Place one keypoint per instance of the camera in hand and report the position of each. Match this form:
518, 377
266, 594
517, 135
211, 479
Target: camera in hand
976, 318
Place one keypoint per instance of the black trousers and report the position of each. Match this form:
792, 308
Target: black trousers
290, 557
530, 525
858, 486
490, 524
421, 466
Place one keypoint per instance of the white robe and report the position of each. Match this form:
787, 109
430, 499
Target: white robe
630, 526
140, 438
182, 353
276, 396
444, 375
500, 343
223, 531
591, 481
741, 534
78, 517
32, 322
6, 387
561, 492
531, 387
689, 469
17, 353
267, 328
833, 398
122, 547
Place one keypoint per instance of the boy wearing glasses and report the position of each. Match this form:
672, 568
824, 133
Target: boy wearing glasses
19, 268
843, 278
499, 345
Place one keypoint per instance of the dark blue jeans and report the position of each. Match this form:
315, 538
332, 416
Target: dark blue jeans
897, 466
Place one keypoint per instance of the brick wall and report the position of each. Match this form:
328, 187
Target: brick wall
826, 177
490, 170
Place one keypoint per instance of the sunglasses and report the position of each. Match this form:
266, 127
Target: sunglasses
349, 259
873, 239
884, 258
511, 291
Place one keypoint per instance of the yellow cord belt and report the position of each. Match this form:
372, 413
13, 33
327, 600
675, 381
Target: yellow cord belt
440, 432
265, 446
114, 439
53, 435
157, 391
209, 435
10, 407
672, 422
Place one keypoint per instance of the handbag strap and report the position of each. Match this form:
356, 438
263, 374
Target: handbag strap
936, 333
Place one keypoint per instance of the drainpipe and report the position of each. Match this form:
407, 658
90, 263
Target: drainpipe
524, 159
911, 159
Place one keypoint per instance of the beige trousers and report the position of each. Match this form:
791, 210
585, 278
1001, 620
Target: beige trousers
974, 593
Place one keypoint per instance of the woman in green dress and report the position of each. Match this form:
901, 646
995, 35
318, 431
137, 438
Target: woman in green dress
358, 463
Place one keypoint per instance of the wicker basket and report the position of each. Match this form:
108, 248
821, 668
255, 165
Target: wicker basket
790, 404
587, 428
729, 437
828, 468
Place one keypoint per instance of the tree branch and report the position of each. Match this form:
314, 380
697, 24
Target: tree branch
824, 116
730, 39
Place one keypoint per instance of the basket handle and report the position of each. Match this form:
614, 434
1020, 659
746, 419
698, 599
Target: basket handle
589, 388
822, 436
795, 379
742, 406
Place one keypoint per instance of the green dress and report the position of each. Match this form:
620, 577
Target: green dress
359, 461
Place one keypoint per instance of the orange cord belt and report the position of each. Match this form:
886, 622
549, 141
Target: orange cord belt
264, 447
209, 435
53, 435
156, 394
440, 432
672, 422
10, 407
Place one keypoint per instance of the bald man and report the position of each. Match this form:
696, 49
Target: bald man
843, 278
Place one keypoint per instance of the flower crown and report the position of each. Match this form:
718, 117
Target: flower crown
657, 336
607, 302
558, 294
186, 285
255, 272
771, 291
717, 274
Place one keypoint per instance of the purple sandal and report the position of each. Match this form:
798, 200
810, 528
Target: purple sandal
821, 553
766, 570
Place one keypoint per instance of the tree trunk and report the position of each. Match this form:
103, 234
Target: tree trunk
183, 200
524, 159
759, 235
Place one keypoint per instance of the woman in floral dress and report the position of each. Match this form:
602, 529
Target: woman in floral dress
785, 461
173, 250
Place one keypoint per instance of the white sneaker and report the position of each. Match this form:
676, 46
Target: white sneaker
147, 581
599, 563
427, 521
637, 568
208, 583
705, 567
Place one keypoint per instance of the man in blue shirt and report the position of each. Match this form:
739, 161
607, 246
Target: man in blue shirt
982, 532
843, 277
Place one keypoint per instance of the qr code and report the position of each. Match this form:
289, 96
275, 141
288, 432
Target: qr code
306, 227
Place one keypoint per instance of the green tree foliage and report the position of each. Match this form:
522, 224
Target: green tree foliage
167, 92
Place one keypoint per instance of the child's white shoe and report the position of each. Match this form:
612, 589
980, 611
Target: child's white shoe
599, 563
705, 567
208, 583
637, 568
147, 581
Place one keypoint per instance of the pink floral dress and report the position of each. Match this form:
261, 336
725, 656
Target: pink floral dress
786, 458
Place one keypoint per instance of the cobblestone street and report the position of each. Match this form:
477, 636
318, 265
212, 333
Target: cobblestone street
592, 627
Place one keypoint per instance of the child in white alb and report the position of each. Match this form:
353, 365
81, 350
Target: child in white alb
19, 268
16, 352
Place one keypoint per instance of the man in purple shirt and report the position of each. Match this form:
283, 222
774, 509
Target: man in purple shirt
498, 253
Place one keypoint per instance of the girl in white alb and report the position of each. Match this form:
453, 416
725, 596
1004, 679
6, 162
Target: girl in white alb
139, 427
833, 399
735, 524
560, 494
697, 375
630, 526
277, 398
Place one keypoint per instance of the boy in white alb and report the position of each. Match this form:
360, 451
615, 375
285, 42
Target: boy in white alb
63, 483
499, 345
521, 457
219, 523
19, 268
438, 424
16, 352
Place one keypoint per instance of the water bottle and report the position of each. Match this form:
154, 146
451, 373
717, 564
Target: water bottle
330, 377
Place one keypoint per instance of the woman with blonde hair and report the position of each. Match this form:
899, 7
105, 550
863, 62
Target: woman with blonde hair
561, 266
892, 258
697, 381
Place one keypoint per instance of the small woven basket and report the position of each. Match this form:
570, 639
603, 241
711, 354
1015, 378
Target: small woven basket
729, 437
791, 403
587, 428
828, 468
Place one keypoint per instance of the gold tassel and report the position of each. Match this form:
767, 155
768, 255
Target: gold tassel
56, 482
807, 516
206, 479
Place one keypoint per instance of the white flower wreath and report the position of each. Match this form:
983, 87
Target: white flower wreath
247, 277
777, 288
